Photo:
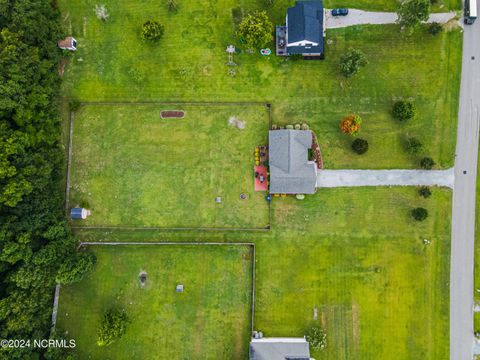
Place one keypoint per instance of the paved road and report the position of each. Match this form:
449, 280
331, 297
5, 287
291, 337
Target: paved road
463, 218
360, 17
342, 178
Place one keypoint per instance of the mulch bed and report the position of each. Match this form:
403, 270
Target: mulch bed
167, 114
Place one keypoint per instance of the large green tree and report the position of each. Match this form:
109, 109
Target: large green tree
256, 29
412, 13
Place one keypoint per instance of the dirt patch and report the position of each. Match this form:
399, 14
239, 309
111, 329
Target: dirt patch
356, 326
451, 25
61, 66
167, 114
236, 122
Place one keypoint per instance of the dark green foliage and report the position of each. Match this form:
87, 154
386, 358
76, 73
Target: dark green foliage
74, 268
352, 61
425, 192
360, 146
34, 238
403, 110
172, 6
427, 163
435, 28
317, 338
113, 326
256, 29
412, 12
152, 31
74, 105
419, 214
413, 146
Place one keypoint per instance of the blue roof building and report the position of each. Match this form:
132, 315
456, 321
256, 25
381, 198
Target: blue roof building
304, 31
78, 213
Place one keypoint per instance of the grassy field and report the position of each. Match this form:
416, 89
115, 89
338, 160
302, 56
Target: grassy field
130, 167
212, 315
353, 254
358, 257
189, 64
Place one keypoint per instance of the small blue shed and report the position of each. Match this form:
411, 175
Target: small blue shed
78, 213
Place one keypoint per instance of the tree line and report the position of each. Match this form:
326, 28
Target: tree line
37, 249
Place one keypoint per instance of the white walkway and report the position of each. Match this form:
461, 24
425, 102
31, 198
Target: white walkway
343, 178
360, 17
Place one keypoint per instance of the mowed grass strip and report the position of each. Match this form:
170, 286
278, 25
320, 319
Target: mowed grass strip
190, 64
210, 319
359, 258
130, 167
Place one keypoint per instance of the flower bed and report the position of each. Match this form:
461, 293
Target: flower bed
167, 114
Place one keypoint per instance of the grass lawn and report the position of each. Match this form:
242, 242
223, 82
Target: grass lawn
358, 257
130, 167
212, 315
189, 64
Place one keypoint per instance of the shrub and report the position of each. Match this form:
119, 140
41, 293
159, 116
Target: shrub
412, 12
427, 163
435, 28
274, 127
403, 110
269, 3
256, 29
350, 125
74, 105
413, 146
360, 146
425, 192
289, 127
112, 327
419, 214
152, 31
352, 61
75, 267
172, 6
317, 338
305, 126
298, 127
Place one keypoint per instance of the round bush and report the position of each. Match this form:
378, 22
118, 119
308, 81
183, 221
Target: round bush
360, 146
317, 338
427, 163
351, 124
419, 214
152, 31
403, 110
413, 146
425, 192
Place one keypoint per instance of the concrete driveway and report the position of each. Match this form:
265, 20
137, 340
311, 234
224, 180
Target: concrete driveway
360, 17
344, 178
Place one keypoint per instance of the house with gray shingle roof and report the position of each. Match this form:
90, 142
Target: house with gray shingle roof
279, 349
291, 172
303, 33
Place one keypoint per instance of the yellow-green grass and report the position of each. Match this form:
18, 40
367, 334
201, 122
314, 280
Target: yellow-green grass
210, 319
189, 64
360, 259
130, 167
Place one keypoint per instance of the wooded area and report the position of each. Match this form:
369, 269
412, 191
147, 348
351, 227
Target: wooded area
36, 246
